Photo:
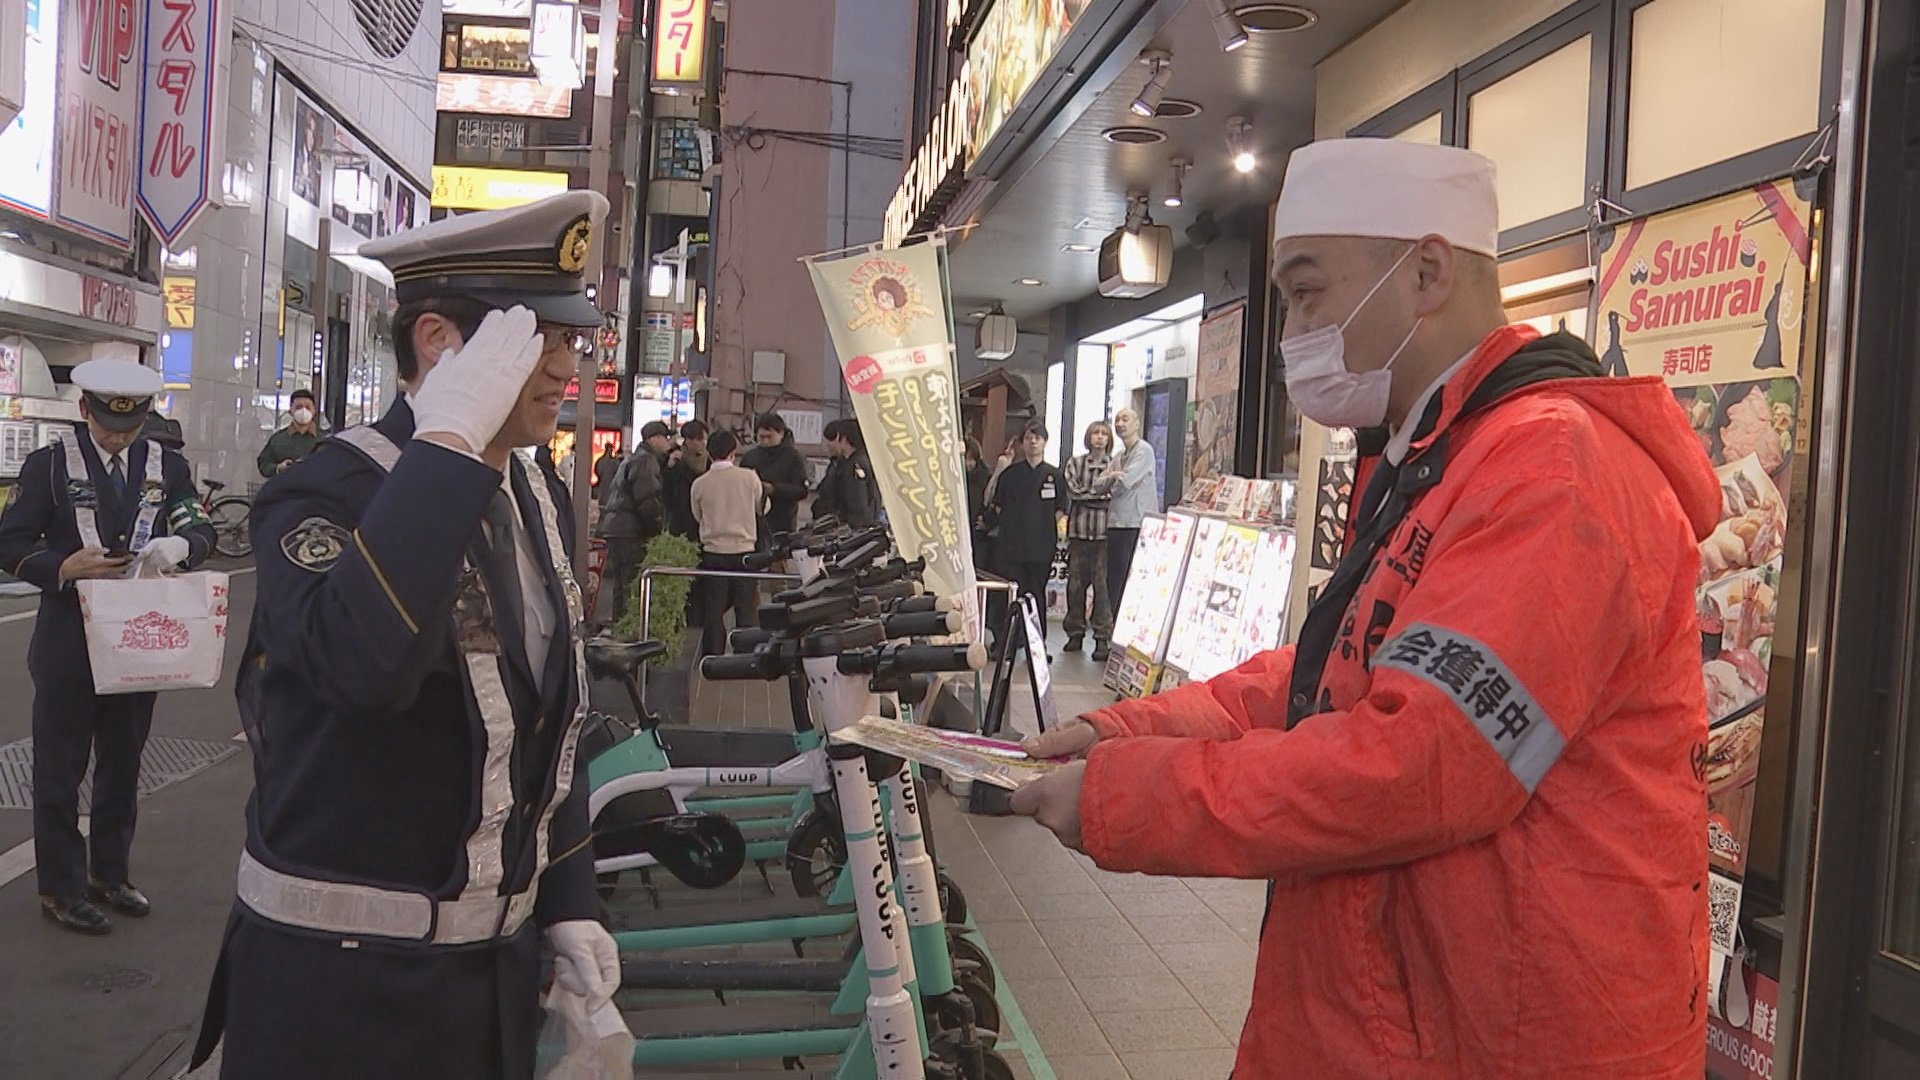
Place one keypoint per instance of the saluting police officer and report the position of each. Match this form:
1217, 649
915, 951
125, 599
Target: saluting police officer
412, 691
93, 504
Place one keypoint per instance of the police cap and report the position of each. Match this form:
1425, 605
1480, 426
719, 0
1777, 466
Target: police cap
118, 393
533, 255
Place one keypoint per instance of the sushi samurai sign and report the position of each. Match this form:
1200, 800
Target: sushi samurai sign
1711, 293
1711, 298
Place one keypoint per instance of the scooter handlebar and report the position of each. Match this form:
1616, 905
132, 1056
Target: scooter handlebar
922, 623
892, 591
740, 667
910, 659
748, 638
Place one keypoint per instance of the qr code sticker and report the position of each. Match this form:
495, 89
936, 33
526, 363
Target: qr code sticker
1723, 911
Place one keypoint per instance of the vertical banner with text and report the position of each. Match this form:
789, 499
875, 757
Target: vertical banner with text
99, 119
182, 106
1713, 297
887, 311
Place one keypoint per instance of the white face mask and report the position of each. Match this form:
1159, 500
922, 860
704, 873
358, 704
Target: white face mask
303, 416
1319, 382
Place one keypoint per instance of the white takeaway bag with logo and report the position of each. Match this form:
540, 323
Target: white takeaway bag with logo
155, 633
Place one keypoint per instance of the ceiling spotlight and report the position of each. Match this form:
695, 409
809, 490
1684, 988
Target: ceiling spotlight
1078, 248
1226, 26
1137, 214
1160, 62
1174, 195
1030, 282
1240, 144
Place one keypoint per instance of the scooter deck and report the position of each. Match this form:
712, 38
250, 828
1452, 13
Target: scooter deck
719, 748
789, 976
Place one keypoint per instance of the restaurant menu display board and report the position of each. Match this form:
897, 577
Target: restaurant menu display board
1233, 601
1265, 502
1146, 612
1711, 297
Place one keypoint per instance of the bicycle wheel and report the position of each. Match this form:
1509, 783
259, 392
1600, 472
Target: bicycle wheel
229, 519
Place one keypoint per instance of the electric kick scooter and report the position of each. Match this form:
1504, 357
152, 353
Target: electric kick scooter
840, 662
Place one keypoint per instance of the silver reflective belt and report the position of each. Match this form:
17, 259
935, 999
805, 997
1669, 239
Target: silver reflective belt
364, 911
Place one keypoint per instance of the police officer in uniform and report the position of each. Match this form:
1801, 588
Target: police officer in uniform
848, 492
413, 689
94, 504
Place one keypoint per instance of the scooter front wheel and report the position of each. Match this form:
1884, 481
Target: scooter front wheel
996, 1066
953, 902
816, 852
986, 1007
970, 957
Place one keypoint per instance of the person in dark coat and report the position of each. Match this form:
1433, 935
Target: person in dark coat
88, 507
633, 511
1028, 503
782, 471
417, 834
848, 493
685, 464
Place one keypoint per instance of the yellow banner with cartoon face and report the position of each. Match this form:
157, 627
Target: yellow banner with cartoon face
891, 325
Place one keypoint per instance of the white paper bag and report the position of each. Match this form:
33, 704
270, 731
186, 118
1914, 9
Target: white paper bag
155, 633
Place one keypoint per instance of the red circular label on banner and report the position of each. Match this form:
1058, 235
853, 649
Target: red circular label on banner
862, 373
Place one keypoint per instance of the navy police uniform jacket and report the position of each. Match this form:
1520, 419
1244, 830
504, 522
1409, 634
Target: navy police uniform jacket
38, 530
403, 740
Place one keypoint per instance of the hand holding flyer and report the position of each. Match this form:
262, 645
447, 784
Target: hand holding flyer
972, 757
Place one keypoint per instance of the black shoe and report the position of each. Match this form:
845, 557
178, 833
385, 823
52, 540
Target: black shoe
1072, 645
1099, 652
122, 898
75, 914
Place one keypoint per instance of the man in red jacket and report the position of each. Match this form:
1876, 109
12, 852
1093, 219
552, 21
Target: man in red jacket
1474, 782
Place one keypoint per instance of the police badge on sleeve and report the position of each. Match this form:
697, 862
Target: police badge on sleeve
315, 544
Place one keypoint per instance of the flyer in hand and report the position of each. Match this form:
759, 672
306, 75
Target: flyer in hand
973, 757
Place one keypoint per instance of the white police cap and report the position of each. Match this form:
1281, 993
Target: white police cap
117, 392
533, 255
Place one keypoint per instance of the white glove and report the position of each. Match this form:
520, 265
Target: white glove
470, 393
586, 962
164, 553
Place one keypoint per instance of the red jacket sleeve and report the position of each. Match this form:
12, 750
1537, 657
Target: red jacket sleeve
1477, 690
1253, 695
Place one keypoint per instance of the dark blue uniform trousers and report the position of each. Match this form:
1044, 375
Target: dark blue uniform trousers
69, 720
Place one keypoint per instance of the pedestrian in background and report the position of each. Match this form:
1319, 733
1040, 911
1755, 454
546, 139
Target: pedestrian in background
634, 511
727, 503
1133, 494
604, 467
781, 469
295, 441
849, 492
1087, 543
688, 462
98, 500
1028, 502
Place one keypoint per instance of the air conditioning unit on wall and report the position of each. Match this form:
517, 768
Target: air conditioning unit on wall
997, 336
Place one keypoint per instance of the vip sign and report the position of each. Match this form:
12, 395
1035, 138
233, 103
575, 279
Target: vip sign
679, 45
180, 112
100, 48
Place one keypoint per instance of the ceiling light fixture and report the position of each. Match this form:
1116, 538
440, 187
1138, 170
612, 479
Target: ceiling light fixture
1138, 216
1175, 196
1273, 18
1030, 282
1078, 248
1226, 26
1160, 63
1240, 144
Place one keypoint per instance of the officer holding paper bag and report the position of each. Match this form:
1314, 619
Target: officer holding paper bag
101, 502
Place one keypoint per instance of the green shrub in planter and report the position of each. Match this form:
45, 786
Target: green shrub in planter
667, 621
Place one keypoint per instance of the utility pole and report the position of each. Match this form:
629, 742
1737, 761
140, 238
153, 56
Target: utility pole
599, 168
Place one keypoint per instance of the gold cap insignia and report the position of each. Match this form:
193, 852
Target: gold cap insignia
122, 404
572, 253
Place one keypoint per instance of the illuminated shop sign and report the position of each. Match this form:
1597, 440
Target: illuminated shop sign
458, 188
679, 45
500, 96
1012, 44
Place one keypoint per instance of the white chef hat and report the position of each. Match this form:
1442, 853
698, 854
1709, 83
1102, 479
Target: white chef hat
1392, 190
